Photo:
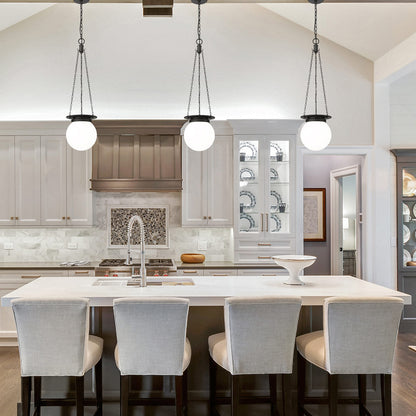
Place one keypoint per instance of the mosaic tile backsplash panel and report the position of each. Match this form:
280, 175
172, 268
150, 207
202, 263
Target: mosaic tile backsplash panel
155, 230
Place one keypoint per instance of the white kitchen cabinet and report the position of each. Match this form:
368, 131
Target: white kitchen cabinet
66, 197
207, 196
190, 272
264, 186
7, 183
11, 280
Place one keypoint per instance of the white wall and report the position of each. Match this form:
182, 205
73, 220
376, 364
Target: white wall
141, 68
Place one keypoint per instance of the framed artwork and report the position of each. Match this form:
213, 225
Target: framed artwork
314, 214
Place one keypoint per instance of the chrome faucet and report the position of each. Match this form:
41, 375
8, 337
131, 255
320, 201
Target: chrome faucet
129, 262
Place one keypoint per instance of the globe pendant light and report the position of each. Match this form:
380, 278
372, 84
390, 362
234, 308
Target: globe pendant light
199, 134
315, 133
81, 133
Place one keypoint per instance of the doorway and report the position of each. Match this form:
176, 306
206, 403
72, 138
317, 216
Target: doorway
345, 207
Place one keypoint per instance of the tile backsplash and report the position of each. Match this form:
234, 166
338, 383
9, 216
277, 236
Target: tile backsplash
51, 243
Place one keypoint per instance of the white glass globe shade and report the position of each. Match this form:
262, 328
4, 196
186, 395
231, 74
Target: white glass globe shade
81, 135
315, 135
199, 135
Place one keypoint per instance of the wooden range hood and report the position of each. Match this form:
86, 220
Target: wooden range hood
137, 155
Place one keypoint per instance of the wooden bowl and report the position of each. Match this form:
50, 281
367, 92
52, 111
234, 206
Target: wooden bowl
192, 258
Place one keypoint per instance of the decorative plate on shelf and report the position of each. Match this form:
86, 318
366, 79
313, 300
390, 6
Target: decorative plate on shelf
246, 222
276, 152
248, 199
278, 222
414, 255
414, 210
406, 234
406, 257
249, 149
274, 176
247, 174
278, 198
406, 209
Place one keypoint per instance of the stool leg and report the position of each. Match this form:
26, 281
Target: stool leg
124, 395
333, 394
287, 394
235, 395
386, 394
185, 392
99, 386
26, 386
362, 393
179, 395
301, 384
212, 385
79, 397
273, 394
36, 393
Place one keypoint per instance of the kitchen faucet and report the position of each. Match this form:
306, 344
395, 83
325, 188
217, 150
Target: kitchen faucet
129, 262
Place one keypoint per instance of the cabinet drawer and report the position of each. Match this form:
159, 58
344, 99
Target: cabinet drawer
220, 272
262, 272
254, 257
190, 272
79, 273
23, 276
284, 245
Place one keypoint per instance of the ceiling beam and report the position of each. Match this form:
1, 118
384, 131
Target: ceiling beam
213, 1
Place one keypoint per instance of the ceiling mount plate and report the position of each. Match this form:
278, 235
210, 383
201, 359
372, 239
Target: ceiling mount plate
81, 1
315, 1
201, 1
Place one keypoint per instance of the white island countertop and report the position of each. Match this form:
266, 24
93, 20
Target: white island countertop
206, 291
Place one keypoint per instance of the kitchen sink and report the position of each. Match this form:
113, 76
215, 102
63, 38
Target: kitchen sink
150, 282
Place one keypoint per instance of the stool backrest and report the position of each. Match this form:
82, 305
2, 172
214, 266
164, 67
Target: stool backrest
52, 335
151, 335
360, 334
261, 333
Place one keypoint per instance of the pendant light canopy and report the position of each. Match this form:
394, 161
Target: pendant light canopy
315, 133
199, 134
81, 133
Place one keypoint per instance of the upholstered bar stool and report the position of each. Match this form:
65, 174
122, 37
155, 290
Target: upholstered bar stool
54, 340
259, 338
151, 340
359, 337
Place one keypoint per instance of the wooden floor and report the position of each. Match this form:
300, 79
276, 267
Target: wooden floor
404, 379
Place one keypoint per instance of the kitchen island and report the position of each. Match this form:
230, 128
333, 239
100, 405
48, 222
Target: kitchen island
206, 297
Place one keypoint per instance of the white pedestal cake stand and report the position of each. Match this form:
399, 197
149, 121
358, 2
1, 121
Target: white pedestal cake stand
294, 264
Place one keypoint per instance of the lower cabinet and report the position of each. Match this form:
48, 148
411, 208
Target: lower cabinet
220, 272
190, 272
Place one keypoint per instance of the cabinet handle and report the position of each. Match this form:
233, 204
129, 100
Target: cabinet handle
204, 217
16, 218
68, 218
264, 244
267, 222
261, 220
264, 257
84, 272
12, 218
190, 271
210, 218
269, 274
33, 276
220, 274
63, 218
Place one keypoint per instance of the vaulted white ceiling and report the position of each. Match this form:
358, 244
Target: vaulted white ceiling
369, 29
12, 13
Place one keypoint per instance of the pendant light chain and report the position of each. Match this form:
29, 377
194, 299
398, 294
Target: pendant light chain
315, 65
196, 70
81, 60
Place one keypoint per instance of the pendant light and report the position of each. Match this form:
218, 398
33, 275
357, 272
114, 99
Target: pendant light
199, 134
81, 133
315, 133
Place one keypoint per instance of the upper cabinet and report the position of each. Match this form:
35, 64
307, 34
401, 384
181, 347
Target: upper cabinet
137, 155
207, 196
265, 183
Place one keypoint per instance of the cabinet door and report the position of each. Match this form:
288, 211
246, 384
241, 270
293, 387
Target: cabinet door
27, 169
220, 182
53, 180
7, 183
194, 194
220, 272
79, 195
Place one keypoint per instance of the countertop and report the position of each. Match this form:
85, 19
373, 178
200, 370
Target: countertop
207, 290
93, 264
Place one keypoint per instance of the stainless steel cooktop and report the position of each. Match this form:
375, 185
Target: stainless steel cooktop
149, 263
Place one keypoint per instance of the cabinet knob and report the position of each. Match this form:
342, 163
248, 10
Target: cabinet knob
68, 218
210, 218
63, 218
16, 218
205, 217
12, 218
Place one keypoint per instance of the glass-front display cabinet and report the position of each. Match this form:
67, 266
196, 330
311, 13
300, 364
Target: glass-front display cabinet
406, 230
264, 196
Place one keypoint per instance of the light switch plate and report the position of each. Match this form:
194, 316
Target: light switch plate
202, 245
8, 246
72, 246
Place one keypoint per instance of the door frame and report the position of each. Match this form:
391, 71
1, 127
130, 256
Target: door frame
336, 224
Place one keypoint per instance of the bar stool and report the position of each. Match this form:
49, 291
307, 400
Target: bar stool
359, 337
151, 340
53, 341
259, 338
